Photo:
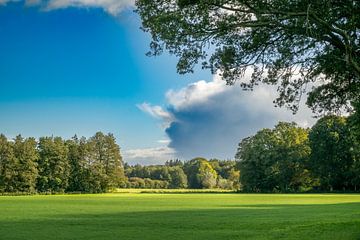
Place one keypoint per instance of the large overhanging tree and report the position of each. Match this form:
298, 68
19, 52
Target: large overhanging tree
297, 45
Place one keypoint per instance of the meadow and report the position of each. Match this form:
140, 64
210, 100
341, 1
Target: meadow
135, 215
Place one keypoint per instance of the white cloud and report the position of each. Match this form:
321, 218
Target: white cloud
210, 118
113, 7
148, 156
157, 112
164, 141
195, 93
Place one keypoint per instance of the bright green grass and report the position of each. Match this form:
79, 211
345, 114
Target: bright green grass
180, 216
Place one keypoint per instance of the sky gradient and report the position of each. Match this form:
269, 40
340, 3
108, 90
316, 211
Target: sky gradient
77, 67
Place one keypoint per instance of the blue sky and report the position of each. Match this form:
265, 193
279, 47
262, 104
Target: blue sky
76, 67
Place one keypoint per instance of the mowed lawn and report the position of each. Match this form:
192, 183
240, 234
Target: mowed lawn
180, 216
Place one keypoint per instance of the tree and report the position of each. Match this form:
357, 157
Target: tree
26, 155
54, 168
178, 178
354, 125
289, 44
8, 166
105, 161
200, 173
228, 176
275, 160
173, 163
79, 169
331, 152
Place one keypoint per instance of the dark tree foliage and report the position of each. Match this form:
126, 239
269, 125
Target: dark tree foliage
105, 168
331, 156
79, 169
290, 44
8, 166
172, 174
27, 170
53, 164
173, 163
275, 160
135, 182
200, 173
354, 125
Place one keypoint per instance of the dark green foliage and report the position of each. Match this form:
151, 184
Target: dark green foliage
275, 160
289, 44
173, 163
331, 155
27, 170
8, 166
135, 182
105, 161
354, 125
79, 169
54, 167
173, 175
284, 159
200, 173
228, 175
178, 178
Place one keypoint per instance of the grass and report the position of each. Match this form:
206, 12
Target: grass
180, 216
146, 190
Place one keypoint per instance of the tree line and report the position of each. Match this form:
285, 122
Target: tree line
54, 165
197, 173
293, 159
287, 158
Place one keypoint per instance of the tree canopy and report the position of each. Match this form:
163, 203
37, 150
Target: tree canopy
331, 156
275, 159
290, 44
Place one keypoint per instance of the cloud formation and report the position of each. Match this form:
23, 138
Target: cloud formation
210, 118
157, 112
148, 156
113, 7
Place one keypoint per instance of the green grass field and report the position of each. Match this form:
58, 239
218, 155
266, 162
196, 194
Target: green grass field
180, 216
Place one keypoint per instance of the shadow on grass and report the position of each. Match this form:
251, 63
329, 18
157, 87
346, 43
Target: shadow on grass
263, 221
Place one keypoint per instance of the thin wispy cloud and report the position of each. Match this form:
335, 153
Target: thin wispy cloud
157, 112
113, 7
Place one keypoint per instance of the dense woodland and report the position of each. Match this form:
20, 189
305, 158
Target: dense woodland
287, 158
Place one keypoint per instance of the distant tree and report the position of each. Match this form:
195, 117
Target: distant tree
159, 173
178, 178
8, 166
354, 126
25, 152
287, 43
173, 163
114, 165
275, 160
234, 178
105, 161
79, 168
331, 155
200, 173
229, 176
136, 182
254, 158
54, 168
